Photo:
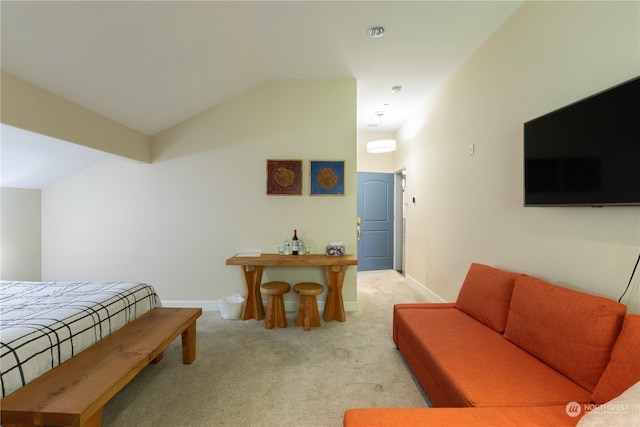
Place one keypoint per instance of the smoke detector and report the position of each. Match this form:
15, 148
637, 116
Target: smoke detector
376, 31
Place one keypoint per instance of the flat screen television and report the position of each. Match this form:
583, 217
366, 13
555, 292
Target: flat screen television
587, 153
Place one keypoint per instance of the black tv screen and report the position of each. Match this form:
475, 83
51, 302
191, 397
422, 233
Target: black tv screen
587, 153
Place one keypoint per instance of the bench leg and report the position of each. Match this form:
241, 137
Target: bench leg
95, 420
158, 358
189, 344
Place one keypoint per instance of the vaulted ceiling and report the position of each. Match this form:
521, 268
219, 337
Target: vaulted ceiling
152, 64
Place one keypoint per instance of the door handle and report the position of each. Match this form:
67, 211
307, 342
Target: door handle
358, 230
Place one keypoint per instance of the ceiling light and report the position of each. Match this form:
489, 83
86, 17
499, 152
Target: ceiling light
381, 145
376, 31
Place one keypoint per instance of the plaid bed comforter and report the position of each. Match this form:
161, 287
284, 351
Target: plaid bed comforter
42, 324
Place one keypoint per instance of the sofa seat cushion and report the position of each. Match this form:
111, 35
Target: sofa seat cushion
485, 295
571, 331
543, 416
469, 364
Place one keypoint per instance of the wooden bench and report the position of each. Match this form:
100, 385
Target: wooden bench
75, 392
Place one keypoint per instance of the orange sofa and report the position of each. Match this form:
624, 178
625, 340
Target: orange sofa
512, 350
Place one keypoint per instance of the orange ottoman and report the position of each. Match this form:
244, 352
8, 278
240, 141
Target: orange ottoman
308, 315
275, 315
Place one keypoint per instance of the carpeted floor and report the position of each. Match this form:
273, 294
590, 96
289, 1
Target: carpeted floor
245, 375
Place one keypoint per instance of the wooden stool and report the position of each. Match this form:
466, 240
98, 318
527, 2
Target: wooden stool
275, 315
308, 315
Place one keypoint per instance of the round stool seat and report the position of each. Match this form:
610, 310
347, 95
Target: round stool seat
308, 288
275, 288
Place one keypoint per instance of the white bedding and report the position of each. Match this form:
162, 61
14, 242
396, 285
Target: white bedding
42, 324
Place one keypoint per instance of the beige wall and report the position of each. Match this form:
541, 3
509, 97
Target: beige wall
469, 208
20, 231
28, 107
174, 222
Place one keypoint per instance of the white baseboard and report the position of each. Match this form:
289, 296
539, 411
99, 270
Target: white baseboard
204, 305
422, 288
289, 306
351, 306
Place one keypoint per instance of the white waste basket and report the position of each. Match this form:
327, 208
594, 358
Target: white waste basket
231, 307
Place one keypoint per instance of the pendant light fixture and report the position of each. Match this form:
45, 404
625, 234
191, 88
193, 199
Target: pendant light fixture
381, 145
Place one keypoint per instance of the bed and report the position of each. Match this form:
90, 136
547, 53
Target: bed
42, 324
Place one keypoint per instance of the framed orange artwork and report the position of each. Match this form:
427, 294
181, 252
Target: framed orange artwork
284, 177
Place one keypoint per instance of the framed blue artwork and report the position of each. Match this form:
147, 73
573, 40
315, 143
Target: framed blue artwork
327, 177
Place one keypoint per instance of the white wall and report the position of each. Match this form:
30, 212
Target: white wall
20, 233
174, 222
469, 208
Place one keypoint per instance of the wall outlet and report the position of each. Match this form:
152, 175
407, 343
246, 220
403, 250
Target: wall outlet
472, 149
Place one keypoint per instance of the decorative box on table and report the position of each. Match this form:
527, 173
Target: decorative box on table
335, 249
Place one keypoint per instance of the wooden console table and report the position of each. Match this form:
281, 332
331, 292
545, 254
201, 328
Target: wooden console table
334, 267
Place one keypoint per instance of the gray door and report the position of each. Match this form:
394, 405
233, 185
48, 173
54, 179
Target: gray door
375, 216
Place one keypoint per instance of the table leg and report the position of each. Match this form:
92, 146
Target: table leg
252, 308
334, 306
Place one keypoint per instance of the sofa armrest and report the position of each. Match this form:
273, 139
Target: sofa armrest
425, 305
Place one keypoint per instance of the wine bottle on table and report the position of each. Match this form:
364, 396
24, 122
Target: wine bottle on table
294, 243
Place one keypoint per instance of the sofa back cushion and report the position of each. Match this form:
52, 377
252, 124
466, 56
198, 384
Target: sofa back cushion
485, 295
571, 331
623, 369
